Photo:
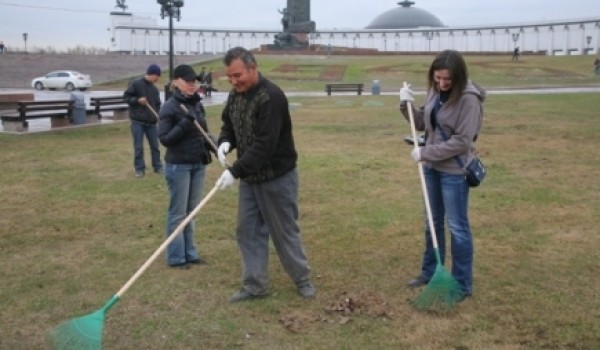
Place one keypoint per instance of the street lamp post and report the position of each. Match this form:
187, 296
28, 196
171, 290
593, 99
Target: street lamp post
25, 35
429, 37
588, 40
515, 37
170, 8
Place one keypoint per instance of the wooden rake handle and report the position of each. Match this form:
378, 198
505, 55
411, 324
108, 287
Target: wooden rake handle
170, 239
421, 174
153, 112
205, 134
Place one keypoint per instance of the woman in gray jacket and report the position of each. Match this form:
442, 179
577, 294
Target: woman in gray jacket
451, 118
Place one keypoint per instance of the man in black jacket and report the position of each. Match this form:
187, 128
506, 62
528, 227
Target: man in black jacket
257, 122
143, 99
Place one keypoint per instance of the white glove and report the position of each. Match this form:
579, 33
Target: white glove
223, 150
225, 180
406, 94
416, 154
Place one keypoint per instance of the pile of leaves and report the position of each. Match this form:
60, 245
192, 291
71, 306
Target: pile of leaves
341, 310
366, 303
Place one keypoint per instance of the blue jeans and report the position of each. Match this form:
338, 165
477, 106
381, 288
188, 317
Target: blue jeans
449, 198
185, 182
138, 130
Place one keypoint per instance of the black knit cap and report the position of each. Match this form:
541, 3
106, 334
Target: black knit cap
184, 72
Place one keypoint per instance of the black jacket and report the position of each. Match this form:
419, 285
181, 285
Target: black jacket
258, 124
184, 142
142, 88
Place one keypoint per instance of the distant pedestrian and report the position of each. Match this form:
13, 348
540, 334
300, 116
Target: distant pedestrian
516, 53
141, 96
597, 66
208, 82
201, 76
1, 47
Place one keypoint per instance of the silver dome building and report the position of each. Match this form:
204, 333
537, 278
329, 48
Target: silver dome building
405, 17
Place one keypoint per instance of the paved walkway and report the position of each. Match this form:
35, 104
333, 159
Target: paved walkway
43, 125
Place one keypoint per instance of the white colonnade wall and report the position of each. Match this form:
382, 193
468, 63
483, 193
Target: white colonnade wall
142, 35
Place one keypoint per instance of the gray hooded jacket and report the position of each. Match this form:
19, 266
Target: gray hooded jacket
461, 123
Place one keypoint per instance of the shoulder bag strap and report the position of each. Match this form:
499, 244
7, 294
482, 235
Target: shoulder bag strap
439, 127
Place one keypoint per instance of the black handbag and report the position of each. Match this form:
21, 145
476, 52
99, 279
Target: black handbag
475, 171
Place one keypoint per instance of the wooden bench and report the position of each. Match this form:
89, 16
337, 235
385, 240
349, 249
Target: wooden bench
8, 101
116, 104
60, 113
329, 88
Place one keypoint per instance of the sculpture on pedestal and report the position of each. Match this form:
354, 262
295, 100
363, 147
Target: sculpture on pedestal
285, 19
121, 5
296, 25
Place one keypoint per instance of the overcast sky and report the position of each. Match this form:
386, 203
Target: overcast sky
65, 24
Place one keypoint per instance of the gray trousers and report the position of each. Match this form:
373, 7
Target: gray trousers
270, 209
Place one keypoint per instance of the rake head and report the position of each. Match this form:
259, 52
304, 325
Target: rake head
83, 333
441, 294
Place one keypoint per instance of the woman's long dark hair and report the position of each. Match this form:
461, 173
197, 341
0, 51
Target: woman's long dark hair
455, 64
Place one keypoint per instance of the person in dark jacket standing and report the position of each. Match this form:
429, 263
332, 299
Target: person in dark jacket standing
516, 53
201, 75
257, 122
208, 80
185, 160
141, 96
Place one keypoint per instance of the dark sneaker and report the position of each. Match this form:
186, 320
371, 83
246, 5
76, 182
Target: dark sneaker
307, 291
181, 266
244, 295
139, 173
159, 171
198, 261
418, 282
463, 297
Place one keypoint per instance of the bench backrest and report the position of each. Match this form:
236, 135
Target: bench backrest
107, 101
39, 106
344, 87
9, 101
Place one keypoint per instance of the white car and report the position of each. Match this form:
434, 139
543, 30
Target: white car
62, 79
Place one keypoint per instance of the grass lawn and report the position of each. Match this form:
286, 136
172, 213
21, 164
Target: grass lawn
76, 225
301, 73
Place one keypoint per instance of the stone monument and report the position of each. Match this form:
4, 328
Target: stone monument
121, 5
296, 25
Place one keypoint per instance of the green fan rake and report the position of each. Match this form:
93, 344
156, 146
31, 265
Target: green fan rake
85, 332
442, 292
